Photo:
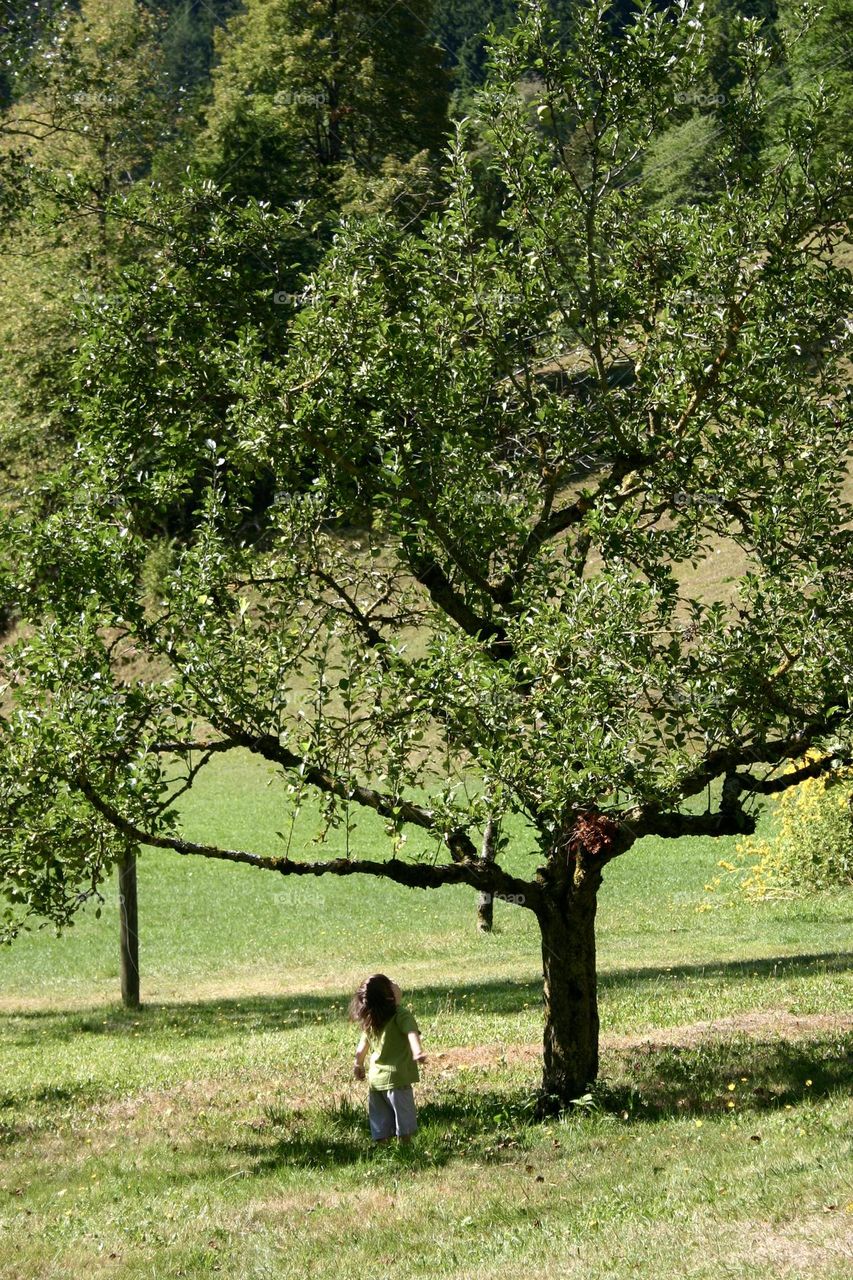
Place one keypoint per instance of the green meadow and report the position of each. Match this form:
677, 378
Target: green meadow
218, 1131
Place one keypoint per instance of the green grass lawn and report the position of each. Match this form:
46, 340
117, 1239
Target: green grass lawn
217, 1131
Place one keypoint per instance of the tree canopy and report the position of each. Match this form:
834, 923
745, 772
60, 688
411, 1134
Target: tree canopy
490, 456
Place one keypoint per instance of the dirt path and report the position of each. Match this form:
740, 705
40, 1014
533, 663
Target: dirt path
770, 1025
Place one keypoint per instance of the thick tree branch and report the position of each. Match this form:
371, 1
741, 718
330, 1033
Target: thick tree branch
430, 574
270, 748
772, 786
671, 826
184, 748
726, 759
552, 523
435, 526
731, 819
473, 871
459, 842
427, 570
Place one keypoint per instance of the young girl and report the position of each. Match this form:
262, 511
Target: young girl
395, 1038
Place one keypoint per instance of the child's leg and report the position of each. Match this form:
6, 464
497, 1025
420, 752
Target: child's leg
405, 1113
381, 1115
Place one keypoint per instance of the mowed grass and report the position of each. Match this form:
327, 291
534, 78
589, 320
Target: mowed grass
217, 1130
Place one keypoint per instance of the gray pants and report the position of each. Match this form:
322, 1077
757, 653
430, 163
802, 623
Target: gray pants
391, 1111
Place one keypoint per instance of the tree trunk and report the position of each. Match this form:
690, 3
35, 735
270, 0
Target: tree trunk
128, 930
571, 999
335, 142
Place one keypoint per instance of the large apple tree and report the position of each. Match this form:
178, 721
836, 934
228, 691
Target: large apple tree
499, 464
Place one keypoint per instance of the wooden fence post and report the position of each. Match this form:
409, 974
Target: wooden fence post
128, 929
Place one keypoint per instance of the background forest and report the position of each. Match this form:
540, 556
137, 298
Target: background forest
129, 128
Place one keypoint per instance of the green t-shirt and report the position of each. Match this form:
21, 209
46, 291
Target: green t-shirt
391, 1063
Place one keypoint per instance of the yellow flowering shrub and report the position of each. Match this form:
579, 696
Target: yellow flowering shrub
810, 849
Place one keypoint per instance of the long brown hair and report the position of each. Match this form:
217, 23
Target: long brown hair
374, 1004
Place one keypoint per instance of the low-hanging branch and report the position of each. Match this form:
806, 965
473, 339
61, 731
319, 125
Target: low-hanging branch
387, 806
814, 769
486, 876
731, 818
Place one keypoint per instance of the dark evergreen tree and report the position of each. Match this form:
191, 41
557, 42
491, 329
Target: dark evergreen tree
461, 27
314, 101
188, 39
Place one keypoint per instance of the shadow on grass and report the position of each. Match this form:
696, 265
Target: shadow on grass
220, 1018
25, 1116
53, 1095
717, 1076
492, 1121
455, 1123
642, 1088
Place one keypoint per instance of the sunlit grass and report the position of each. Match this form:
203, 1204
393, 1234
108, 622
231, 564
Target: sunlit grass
218, 1131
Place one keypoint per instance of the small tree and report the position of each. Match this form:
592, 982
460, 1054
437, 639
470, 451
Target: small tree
91, 105
310, 101
548, 430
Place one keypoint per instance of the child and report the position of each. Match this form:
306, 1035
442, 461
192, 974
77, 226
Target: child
396, 1041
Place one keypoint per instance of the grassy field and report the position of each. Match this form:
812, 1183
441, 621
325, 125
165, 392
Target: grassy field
217, 1131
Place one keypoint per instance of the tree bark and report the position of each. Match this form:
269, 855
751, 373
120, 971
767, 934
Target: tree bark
570, 1063
128, 930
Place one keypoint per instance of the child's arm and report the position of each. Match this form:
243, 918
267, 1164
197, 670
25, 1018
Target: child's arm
416, 1047
360, 1054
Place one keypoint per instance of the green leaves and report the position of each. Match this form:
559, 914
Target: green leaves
538, 512
72, 724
